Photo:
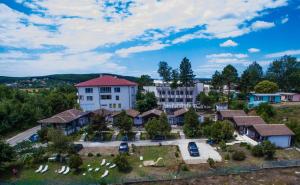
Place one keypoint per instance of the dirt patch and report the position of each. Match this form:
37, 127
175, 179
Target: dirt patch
101, 150
265, 177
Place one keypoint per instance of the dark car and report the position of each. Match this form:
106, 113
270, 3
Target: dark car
123, 148
193, 149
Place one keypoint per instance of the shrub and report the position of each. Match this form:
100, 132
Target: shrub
90, 154
257, 151
133, 147
184, 167
223, 146
113, 155
176, 154
238, 156
227, 157
43, 134
269, 149
75, 161
122, 163
98, 155
211, 162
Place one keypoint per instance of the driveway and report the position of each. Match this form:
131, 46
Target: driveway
206, 151
23, 136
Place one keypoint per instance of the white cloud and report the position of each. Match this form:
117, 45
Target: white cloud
228, 43
282, 53
137, 49
285, 19
227, 55
253, 50
258, 25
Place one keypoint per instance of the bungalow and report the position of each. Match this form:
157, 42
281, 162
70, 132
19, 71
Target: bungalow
154, 113
229, 114
278, 134
68, 121
134, 114
241, 123
290, 97
178, 117
256, 99
106, 114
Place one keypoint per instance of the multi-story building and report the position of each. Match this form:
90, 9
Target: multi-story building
108, 92
180, 97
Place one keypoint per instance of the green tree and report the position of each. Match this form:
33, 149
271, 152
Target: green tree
205, 100
283, 71
59, 142
266, 87
229, 76
124, 122
250, 77
146, 102
145, 80
269, 149
186, 75
294, 125
175, 79
6, 153
217, 81
266, 111
122, 163
218, 131
164, 71
191, 126
158, 127
43, 134
75, 161
257, 151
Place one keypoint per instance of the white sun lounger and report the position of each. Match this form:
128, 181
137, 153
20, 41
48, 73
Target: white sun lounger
107, 164
67, 170
45, 169
90, 169
103, 162
141, 158
97, 169
112, 166
63, 168
104, 174
39, 169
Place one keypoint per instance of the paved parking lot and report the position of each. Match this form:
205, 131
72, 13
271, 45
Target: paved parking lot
206, 151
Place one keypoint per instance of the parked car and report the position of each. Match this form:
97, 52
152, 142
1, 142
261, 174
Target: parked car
123, 148
193, 149
34, 138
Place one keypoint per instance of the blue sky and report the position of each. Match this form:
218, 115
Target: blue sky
127, 37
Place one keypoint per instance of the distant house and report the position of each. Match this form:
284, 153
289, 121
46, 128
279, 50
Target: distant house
178, 117
229, 114
255, 99
278, 134
290, 97
241, 123
104, 113
68, 121
154, 113
133, 114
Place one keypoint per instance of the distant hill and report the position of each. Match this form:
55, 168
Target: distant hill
53, 80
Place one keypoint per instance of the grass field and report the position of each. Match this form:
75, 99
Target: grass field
291, 112
169, 164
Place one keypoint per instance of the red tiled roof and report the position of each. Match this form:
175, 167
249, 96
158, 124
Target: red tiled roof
180, 112
64, 117
106, 80
130, 112
232, 113
273, 130
102, 112
153, 111
248, 120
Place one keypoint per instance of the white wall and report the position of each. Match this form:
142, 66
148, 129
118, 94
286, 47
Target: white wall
127, 98
280, 141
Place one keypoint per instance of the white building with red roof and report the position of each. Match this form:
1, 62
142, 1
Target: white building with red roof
108, 92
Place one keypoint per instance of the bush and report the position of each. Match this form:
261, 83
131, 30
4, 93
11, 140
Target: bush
98, 155
176, 154
227, 157
265, 111
75, 162
238, 156
184, 167
122, 163
211, 162
223, 146
269, 149
43, 134
257, 151
90, 154
133, 148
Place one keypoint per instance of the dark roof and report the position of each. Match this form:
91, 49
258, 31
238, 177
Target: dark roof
102, 112
130, 112
64, 117
273, 130
180, 112
153, 111
248, 120
106, 80
232, 113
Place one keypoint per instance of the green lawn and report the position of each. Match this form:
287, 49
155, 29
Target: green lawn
145, 136
291, 112
130, 135
169, 164
106, 136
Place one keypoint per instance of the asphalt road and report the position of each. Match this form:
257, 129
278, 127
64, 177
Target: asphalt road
22, 136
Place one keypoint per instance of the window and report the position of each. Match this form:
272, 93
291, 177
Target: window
189, 100
172, 92
117, 98
88, 90
177, 92
163, 92
110, 105
171, 99
179, 100
81, 97
105, 90
117, 89
169, 92
114, 105
105, 97
162, 100
258, 98
181, 92
119, 106
191, 92
89, 98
